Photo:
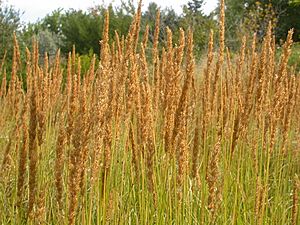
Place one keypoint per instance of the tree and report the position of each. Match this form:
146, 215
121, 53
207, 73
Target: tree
168, 18
286, 14
148, 18
82, 30
257, 19
9, 23
48, 42
194, 18
288, 19
53, 22
195, 6
254, 15
47, 32
128, 7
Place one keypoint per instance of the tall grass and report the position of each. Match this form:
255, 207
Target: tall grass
139, 140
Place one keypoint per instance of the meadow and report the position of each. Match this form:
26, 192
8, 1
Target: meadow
148, 138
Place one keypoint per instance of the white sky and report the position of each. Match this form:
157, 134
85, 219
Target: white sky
35, 9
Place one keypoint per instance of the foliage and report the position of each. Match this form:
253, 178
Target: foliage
258, 18
86, 60
53, 21
47, 42
294, 60
244, 17
9, 24
82, 30
168, 18
194, 18
288, 20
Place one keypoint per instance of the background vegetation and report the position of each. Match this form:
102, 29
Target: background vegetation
65, 28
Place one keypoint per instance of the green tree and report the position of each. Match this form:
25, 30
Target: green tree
46, 31
48, 42
84, 29
148, 18
9, 23
289, 18
257, 19
53, 21
81, 29
286, 14
168, 18
194, 18
195, 6
128, 7
242, 13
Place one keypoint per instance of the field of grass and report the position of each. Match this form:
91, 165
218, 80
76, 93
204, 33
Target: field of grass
139, 140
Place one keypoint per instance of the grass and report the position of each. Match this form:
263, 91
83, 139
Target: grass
152, 140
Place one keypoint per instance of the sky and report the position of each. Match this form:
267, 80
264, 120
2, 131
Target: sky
37, 9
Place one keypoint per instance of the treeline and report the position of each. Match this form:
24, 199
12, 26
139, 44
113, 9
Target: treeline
62, 29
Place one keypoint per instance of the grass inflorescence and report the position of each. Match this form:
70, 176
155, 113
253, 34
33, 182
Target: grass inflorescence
150, 138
